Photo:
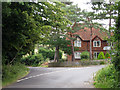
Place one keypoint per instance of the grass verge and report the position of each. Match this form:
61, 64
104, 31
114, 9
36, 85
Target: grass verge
11, 73
106, 78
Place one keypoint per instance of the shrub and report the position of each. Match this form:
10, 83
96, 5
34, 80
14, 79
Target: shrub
106, 78
102, 62
10, 73
101, 55
116, 62
85, 55
47, 53
107, 55
33, 60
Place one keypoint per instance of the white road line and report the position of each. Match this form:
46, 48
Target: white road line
44, 74
51, 73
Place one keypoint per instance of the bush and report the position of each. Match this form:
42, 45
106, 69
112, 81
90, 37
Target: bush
10, 73
101, 55
107, 55
102, 62
106, 78
33, 60
116, 62
85, 55
47, 53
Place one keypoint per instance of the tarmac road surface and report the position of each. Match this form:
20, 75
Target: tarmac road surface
62, 77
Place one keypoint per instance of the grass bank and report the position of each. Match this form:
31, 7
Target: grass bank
11, 73
106, 78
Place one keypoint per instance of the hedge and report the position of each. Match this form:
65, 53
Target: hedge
85, 55
107, 55
33, 60
48, 53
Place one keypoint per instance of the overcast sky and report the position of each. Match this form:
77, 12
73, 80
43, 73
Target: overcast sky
82, 4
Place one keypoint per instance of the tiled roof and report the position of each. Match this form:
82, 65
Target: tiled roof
84, 34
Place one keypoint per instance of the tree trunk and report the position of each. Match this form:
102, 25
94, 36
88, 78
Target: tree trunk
55, 54
56, 57
15, 55
91, 44
109, 36
73, 57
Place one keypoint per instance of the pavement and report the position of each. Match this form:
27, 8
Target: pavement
62, 77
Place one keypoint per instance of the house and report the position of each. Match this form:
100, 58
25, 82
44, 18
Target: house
82, 42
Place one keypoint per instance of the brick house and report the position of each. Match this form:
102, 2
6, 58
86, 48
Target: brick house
83, 42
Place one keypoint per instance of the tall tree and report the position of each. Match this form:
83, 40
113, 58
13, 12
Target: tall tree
106, 11
87, 19
117, 40
59, 27
72, 15
116, 59
24, 25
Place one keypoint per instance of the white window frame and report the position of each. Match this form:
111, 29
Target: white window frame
77, 55
96, 43
95, 53
77, 43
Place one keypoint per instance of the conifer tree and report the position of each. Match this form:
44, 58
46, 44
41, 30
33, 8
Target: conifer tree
72, 15
106, 11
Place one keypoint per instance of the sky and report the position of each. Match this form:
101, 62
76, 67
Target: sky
82, 4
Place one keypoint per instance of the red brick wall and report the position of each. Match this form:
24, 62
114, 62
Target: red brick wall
85, 46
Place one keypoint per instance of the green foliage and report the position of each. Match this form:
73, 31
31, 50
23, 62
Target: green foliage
25, 24
33, 60
116, 62
107, 55
11, 73
48, 53
102, 62
106, 78
85, 55
101, 55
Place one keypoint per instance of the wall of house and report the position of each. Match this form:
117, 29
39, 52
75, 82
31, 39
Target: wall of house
85, 46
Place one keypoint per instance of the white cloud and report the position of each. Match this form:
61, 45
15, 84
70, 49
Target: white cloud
83, 4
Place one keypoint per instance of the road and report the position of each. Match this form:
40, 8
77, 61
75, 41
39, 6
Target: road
39, 77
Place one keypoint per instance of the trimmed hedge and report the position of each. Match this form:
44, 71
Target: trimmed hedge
85, 55
101, 55
107, 55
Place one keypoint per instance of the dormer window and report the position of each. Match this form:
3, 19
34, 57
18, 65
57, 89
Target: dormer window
96, 43
77, 43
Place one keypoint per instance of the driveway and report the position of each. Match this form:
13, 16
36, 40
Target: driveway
39, 77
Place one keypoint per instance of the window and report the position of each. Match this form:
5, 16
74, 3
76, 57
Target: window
96, 54
96, 43
77, 43
77, 55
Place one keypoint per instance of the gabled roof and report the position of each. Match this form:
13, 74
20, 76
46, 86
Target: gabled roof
96, 37
85, 33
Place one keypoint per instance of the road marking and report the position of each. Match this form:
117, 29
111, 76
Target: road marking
50, 73
45, 74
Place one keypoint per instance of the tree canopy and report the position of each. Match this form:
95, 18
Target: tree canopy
27, 23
